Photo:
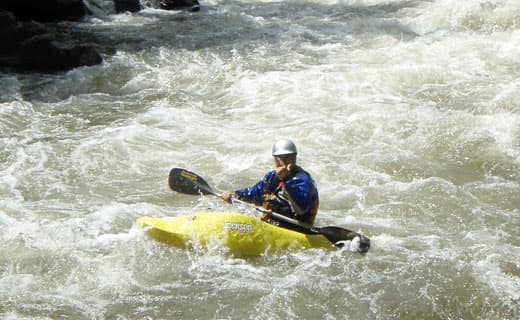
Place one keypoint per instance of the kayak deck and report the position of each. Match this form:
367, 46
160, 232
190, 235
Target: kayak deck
243, 234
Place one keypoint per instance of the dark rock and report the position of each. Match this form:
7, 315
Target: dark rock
45, 10
192, 5
127, 5
84, 55
44, 52
13, 32
7, 19
33, 46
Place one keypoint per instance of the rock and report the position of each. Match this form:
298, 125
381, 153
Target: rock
83, 55
192, 5
127, 5
13, 32
7, 19
44, 52
45, 10
31, 45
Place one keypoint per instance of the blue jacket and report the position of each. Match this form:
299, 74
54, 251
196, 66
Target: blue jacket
295, 197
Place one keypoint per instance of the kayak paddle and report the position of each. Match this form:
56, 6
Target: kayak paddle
187, 182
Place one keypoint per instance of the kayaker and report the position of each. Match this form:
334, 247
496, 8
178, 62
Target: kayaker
288, 189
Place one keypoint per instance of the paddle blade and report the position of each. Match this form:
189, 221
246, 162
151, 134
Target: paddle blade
184, 181
364, 243
337, 235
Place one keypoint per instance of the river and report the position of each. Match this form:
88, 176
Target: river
406, 113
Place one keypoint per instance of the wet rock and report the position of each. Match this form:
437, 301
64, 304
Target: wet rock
45, 10
30, 45
13, 33
192, 5
127, 5
44, 52
7, 19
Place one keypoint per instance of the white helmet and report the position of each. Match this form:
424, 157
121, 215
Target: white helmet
284, 147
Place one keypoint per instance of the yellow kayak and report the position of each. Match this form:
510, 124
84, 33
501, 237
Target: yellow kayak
244, 235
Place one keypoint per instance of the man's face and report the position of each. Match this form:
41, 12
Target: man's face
284, 160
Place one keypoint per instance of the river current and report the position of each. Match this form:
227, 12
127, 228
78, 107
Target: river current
406, 113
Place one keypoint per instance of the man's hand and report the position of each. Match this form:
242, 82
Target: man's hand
227, 195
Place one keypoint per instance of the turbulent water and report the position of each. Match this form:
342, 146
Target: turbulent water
406, 113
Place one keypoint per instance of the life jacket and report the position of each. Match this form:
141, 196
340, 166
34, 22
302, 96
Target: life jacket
295, 197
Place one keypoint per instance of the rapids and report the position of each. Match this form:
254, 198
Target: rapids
406, 113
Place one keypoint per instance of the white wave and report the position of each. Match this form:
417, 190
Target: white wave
491, 275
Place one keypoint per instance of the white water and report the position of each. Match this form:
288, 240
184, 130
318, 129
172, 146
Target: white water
405, 112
